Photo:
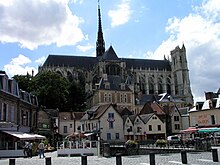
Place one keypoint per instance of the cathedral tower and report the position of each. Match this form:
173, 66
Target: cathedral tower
181, 74
100, 43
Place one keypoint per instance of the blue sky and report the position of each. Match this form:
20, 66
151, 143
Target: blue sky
31, 30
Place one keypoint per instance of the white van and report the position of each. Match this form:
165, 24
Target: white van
173, 140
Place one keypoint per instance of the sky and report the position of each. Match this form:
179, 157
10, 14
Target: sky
30, 30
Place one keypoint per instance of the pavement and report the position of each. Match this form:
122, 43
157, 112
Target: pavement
193, 158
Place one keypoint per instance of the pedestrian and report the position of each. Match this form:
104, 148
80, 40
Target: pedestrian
25, 149
30, 149
41, 150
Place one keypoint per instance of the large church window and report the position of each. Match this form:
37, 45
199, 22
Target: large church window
176, 85
168, 86
112, 69
142, 84
151, 85
160, 86
69, 76
58, 72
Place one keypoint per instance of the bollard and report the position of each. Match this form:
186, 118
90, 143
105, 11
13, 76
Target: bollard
152, 158
215, 155
48, 160
83, 160
184, 157
11, 161
118, 159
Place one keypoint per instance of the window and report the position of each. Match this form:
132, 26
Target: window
159, 127
12, 114
4, 112
176, 118
117, 136
213, 119
150, 127
139, 129
111, 115
122, 86
125, 98
111, 125
121, 98
71, 125
107, 86
83, 127
111, 120
109, 136
105, 97
177, 127
64, 129
109, 97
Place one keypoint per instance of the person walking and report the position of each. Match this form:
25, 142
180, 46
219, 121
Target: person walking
26, 149
30, 149
41, 150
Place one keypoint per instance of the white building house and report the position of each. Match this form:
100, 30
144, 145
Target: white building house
104, 121
144, 127
69, 122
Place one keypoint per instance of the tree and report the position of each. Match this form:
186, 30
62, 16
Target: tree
51, 89
24, 82
76, 100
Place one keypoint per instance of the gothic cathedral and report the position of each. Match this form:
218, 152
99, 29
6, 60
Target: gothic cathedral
149, 77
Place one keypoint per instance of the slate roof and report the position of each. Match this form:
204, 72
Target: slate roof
147, 64
115, 82
88, 62
97, 111
71, 61
109, 55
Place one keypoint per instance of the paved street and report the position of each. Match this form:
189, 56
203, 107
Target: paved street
201, 158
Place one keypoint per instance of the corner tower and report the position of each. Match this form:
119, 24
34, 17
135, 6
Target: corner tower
100, 43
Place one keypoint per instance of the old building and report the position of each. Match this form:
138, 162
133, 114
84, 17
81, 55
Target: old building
144, 127
69, 122
206, 113
141, 75
18, 113
104, 121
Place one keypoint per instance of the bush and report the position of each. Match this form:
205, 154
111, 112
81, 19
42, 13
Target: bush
131, 144
161, 143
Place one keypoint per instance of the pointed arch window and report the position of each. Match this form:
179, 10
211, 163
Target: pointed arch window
151, 85
160, 86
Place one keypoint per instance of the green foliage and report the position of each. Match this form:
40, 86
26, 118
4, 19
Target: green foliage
131, 144
24, 82
54, 91
51, 89
76, 99
161, 143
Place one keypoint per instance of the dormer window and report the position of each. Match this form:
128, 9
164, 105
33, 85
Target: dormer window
107, 86
122, 86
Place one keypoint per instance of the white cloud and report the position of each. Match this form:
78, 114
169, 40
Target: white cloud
85, 48
121, 15
19, 66
200, 33
40, 60
32, 23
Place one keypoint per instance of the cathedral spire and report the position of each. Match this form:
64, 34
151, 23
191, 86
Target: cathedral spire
100, 43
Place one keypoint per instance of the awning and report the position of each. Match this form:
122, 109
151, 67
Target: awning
189, 130
209, 130
24, 136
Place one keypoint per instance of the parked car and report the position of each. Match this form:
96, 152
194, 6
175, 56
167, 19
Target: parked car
173, 140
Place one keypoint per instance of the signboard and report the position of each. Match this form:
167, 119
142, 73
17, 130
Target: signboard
204, 119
